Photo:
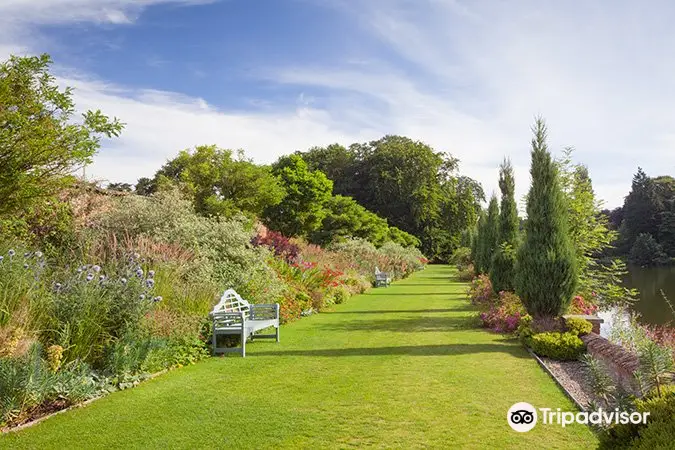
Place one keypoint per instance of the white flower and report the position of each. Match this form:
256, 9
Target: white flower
57, 286
157, 299
25, 266
142, 296
90, 276
11, 253
26, 255
1, 258
101, 277
123, 280
96, 269
38, 254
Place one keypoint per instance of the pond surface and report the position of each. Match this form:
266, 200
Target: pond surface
650, 281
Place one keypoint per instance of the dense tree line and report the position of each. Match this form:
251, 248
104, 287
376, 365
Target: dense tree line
288, 196
646, 221
417, 189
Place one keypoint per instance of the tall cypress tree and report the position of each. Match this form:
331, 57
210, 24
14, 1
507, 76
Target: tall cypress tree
477, 244
546, 272
488, 242
503, 274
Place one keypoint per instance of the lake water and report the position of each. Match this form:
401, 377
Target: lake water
650, 281
651, 306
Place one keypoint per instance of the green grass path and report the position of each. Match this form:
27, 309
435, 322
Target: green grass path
398, 367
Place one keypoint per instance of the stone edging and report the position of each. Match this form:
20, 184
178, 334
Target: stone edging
548, 371
77, 405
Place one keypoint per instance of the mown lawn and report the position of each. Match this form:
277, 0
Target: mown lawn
398, 367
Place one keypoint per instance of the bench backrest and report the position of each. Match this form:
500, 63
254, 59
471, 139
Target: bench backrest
231, 302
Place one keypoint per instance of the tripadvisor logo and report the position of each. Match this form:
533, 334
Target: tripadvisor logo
522, 417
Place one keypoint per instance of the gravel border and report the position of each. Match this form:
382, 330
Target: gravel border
572, 376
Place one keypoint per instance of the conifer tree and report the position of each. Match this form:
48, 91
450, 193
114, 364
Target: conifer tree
488, 241
502, 274
546, 272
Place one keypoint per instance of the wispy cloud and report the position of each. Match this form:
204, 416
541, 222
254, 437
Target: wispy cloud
465, 77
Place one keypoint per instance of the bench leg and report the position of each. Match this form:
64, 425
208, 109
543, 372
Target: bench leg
243, 342
278, 334
214, 339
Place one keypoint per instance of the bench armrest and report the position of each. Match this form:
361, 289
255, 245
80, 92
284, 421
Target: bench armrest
223, 319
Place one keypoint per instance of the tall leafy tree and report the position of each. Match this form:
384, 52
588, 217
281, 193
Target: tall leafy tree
488, 242
41, 143
302, 210
503, 272
220, 183
546, 272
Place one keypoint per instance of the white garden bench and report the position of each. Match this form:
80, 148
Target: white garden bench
381, 278
235, 316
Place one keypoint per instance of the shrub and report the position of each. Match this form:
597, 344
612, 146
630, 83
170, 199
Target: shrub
578, 327
340, 295
467, 273
561, 346
462, 257
504, 314
581, 306
524, 330
279, 244
480, 290
658, 432
27, 382
503, 271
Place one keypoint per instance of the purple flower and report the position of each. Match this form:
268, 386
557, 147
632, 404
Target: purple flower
139, 272
151, 274
90, 276
150, 283
96, 268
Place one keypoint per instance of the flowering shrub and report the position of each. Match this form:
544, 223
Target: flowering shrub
663, 335
480, 291
581, 306
278, 243
504, 314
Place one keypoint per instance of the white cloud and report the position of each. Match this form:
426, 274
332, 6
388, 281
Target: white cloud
468, 78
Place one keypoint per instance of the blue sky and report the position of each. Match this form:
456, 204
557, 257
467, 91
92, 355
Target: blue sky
273, 77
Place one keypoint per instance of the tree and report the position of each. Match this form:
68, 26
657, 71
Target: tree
220, 184
546, 273
503, 273
406, 182
640, 208
121, 187
491, 233
144, 186
476, 247
40, 143
345, 218
302, 211
646, 251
